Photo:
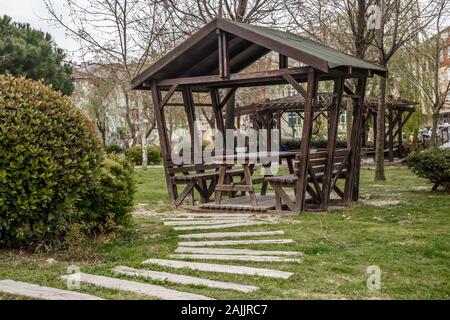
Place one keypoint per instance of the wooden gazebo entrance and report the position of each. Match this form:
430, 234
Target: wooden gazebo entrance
211, 61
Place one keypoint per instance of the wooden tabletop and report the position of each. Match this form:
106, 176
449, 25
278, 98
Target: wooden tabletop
245, 158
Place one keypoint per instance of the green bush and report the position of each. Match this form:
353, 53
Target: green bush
316, 144
49, 153
113, 148
111, 198
134, 154
432, 164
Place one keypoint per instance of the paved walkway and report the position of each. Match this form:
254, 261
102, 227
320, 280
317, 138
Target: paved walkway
196, 249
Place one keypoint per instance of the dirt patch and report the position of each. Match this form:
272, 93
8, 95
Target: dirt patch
382, 203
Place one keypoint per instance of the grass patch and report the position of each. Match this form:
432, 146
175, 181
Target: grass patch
409, 241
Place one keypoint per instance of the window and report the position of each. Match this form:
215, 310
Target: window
343, 118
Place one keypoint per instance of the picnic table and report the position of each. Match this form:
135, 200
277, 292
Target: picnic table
248, 162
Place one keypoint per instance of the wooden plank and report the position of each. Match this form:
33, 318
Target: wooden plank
306, 138
248, 78
333, 120
187, 190
168, 96
165, 149
352, 179
295, 84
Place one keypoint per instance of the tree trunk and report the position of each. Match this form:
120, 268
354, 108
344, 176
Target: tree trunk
129, 116
379, 147
144, 147
433, 139
230, 114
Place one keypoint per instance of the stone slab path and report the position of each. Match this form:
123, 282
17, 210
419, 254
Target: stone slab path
206, 218
211, 215
232, 257
206, 222
232, 242
237, 251
34, 291
137, 287
218, 235
209, 267
185, 280
220, 226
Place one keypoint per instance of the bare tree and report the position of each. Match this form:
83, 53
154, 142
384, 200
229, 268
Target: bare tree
190, 15
424, 75
401, 21
339, 23
99, 106
124, 36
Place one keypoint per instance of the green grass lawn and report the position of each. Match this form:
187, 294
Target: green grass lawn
409, 241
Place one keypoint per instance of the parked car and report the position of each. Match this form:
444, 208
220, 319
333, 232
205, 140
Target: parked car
424, 134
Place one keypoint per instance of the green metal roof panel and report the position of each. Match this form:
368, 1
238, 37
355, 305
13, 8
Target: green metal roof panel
334, 57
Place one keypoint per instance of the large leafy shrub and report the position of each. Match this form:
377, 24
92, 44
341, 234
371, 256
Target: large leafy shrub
49, 153
134, 154
432, 164
111, 198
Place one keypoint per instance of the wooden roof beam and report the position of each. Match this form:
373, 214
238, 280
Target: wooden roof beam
236, 78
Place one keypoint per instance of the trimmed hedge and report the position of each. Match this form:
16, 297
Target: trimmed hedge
111, 198
134, 154
316, 144
49, 154
432, 164
113, 148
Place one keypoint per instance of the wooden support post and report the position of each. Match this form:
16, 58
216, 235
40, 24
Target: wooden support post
302, 180
391, 135
220, 125
164, 142
333, 122
400, 134
375, 128
224, 56
351, 192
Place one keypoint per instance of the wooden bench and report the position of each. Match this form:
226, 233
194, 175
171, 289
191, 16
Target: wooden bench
203, 178
316, 172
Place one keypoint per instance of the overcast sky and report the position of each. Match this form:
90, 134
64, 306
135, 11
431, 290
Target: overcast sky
34, 13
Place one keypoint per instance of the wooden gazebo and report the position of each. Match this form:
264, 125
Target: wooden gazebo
212, 61
268, 114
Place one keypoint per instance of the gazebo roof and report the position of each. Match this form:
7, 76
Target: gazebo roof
199, 54
296, 102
